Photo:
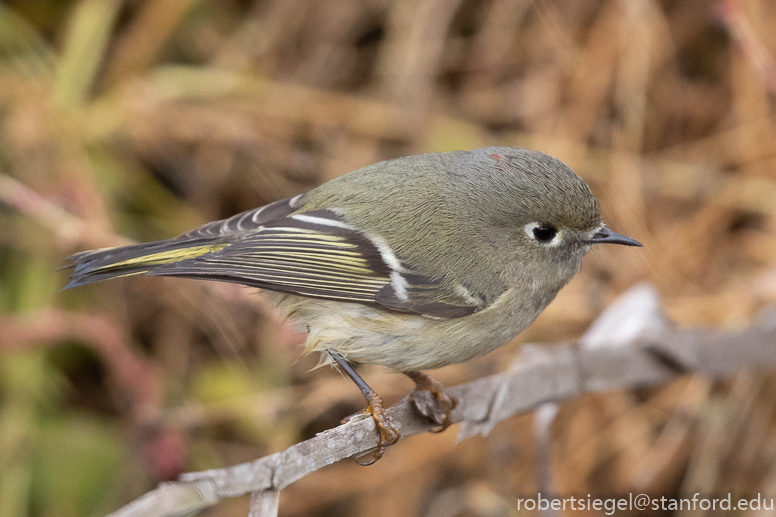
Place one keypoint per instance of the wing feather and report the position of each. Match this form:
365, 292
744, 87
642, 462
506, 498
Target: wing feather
315, 253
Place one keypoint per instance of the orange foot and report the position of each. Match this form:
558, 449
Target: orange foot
387, 432
431, 401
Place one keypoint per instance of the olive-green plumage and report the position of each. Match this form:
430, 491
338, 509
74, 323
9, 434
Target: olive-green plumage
412, 263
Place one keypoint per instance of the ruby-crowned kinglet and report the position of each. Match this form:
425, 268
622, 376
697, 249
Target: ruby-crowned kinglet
413, 263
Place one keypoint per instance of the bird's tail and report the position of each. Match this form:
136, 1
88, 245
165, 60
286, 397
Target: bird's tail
138, 259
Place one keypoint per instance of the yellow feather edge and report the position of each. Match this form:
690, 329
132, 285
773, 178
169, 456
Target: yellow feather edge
166, 257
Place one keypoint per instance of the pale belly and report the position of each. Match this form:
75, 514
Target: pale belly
407, 342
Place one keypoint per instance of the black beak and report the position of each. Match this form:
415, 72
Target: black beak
606, 236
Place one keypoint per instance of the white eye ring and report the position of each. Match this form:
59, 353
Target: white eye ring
530, 230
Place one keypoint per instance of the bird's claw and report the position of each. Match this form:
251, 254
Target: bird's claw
431, 401
386, 431
388, 434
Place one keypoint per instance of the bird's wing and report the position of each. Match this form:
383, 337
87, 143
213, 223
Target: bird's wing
101, 264
316, 254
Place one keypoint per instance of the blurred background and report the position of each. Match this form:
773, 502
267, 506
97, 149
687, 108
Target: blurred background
137, 120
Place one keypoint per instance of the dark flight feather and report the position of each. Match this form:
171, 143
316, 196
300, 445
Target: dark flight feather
277, 247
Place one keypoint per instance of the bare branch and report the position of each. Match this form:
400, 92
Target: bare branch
264, 503
654, 354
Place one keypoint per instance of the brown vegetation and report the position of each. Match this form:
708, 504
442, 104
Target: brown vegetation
141, 119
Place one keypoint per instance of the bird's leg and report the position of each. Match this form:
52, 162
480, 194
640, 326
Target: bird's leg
431, 401
386, 431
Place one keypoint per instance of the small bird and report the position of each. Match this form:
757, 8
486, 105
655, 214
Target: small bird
413, 263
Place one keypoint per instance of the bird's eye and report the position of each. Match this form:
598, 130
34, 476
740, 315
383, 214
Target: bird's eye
543, 233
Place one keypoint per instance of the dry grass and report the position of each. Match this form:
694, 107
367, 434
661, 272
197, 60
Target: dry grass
142, 119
